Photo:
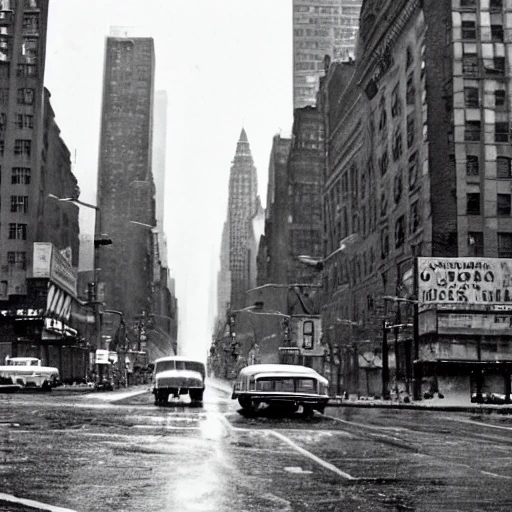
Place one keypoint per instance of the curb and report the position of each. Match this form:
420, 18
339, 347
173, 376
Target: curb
418, 407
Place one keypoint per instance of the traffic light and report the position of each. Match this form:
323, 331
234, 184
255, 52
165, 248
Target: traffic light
231, 323
308, 333
286, 328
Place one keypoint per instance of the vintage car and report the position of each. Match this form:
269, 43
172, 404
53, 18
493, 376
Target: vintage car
27, 372
178, 375
285, 387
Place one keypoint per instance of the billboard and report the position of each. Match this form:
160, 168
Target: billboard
465, 281
51, 264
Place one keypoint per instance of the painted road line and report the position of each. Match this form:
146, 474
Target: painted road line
473, 422
311, 456
31, 503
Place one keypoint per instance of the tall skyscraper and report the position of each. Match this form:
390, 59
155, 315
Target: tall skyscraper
22, 104
126, 191
320, 28
242, 205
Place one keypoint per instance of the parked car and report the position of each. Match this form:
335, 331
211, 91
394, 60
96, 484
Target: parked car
284, 386
178, 375
28, 372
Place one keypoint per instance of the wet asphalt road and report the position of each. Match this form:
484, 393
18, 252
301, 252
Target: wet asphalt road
85, 452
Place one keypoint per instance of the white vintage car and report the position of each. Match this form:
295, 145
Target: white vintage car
178, 375
27, 372
282, 386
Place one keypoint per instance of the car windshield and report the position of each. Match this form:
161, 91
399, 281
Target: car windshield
163, 366
286, 384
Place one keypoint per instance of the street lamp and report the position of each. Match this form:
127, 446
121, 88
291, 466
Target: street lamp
73, 200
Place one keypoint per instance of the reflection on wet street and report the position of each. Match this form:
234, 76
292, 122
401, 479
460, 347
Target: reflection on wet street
119, 452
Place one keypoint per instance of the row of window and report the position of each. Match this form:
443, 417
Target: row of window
469, 32
473, 131
22, 70
493, 4
472, 97
25, 96
503, 166
503, 204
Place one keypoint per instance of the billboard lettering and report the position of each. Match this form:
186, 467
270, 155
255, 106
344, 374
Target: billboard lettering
464, 281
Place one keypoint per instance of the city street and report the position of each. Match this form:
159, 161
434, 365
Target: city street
117, 451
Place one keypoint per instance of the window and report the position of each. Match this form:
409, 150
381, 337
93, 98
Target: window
397, 144
20, 176
410, 91
411, 129
496, 33
503, 205
409, 58
473, 203
30, 23
17, 259
382, 114
503, 167
504, 245
413, 170
384, 243
29, 50
398, 187
472, 168
501, 132
499, 98
472, 131
383, 163
5, 70
396, 104
496, 4
415, 217
469, 64
468, 3
17, 231
26, 70
383, 204
400, 231
498, 66
4, 96
25, 96
22, 147
469, 30
476, 243
19, 204
24, 121
471, 97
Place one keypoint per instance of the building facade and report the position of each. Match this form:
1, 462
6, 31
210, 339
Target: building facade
320, 27
272, 258
305, 167
242, 206
418, 165
126, 190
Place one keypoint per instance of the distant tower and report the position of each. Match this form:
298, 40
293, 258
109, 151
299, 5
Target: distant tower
320, 27
243, 189
125, 182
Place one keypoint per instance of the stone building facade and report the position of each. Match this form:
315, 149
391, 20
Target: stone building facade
418, 164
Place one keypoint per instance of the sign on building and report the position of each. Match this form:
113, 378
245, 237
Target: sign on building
465, 281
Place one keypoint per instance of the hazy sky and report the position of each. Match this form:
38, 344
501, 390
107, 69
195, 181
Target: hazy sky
224, 64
